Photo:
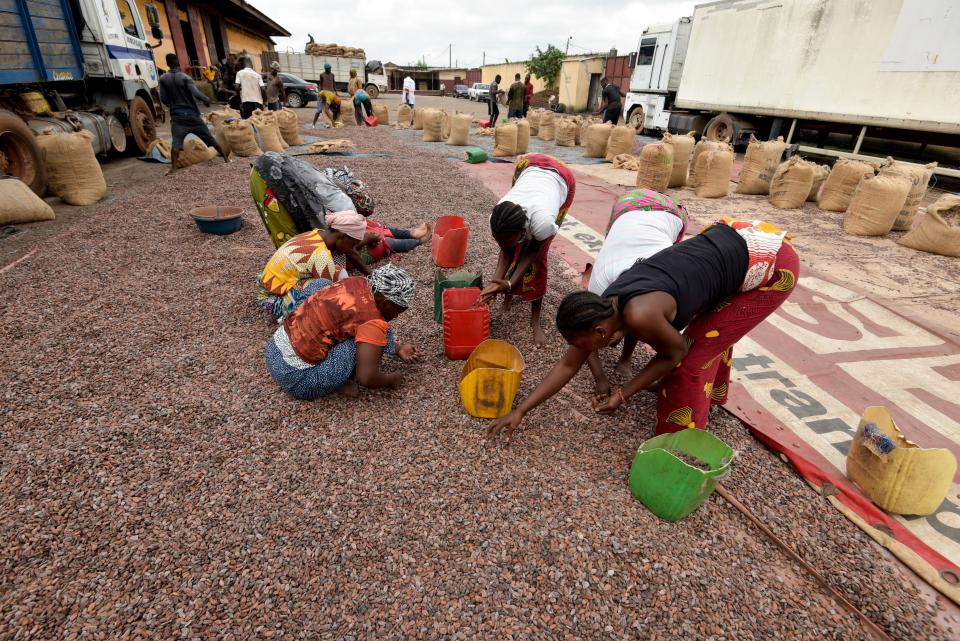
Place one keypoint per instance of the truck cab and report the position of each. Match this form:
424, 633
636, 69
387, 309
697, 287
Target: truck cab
375, 78
656, 74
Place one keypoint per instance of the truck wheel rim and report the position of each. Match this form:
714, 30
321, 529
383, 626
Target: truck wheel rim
15, 159
143, 128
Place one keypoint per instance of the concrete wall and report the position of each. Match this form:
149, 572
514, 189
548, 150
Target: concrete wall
574, 82
506, 71
239, 39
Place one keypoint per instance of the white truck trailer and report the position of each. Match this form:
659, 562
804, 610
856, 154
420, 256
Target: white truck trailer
309, 67
835, 77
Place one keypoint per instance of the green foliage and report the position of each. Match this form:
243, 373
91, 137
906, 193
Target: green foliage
546, 65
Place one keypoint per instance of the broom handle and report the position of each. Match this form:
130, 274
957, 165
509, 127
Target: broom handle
864, 620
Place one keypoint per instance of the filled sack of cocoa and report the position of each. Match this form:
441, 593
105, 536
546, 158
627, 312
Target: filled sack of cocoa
459, 130
595, 145
682, 148
523, 135
584, 126
505, 140
241, 138
939, 230
713, 171
547, 130
654, 166
759, 163
566, 133
625, 161
347, 113
701, 147
432, 121
383, 114
620, 141
218, 117
820, 173
445, 124
875, 205
533, 117
194, 151
403, 113
791, 183
417, 119
919, 177
268, 132
73, 172
289, 127
839, 186
578, 120
20, 204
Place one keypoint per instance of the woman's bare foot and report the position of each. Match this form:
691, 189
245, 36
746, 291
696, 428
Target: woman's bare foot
539, 338
422, 232
350, 389
623, 369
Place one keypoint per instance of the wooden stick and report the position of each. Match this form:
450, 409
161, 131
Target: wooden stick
870, 626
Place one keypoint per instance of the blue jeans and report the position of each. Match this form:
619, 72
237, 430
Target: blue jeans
402, 240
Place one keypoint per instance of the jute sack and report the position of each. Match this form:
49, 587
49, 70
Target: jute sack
432, 125
459, 130
703, 146
20, 204
839, 186
682, 147
875, 205
217, 117
759, 163
713, 172
566, 133
162, 147
791, 183
505, 140
289, 126
403, 113
620, 141
654, 166
938, 231
548, 127
194, 151
268, 132
919, 177
584, 126
383, 114
73, 172
445, 124
820, 173
578, 121
595, 143
417, 119
523, 135
533, 117
240, 137
626, 161
347, 113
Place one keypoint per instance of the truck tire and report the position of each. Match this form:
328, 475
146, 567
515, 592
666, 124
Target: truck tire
294, 100
636, 118
142, 124
20, 154
721, 127
372, 90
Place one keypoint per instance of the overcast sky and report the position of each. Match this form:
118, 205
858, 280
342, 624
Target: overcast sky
403, 32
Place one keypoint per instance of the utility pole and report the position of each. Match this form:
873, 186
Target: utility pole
567, 50
450, 58
484, 58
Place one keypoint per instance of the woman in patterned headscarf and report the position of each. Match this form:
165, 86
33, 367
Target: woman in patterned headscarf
334, 339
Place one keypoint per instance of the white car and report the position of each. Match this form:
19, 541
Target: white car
479, 91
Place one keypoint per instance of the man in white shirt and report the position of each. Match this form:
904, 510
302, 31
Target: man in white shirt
409, 95
251, 86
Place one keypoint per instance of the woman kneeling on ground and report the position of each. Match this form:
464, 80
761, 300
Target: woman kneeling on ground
642, 223
319, 253
334, 339
691, 303
524, 224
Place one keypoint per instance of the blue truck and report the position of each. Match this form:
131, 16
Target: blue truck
72, 64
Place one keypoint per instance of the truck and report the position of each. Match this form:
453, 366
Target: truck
310, 67
835, 78
71, 65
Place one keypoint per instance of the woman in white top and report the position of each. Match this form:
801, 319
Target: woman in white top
642, 223
524, 224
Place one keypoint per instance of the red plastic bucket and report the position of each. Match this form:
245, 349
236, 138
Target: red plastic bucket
371, 121
466, 322
449, 244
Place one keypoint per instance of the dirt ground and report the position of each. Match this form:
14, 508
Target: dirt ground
157, 484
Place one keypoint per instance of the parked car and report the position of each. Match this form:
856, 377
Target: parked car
299, 92
461, 91
479, 91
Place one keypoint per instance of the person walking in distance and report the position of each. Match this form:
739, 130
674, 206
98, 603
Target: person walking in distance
515, 98
251, 89
354, 84
180, 95
275, 93
409, 95
493, 109
327, 79
611, 105
527, 95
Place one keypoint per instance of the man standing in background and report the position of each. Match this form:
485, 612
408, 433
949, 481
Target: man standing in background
354, 84
275, 93
327, 80
492, 108
611, 105
409, 95
527, 95
515, 98
251, 96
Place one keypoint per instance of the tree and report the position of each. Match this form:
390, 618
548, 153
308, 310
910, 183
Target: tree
546, 65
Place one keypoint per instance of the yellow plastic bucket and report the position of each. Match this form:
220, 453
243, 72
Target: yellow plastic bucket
490, 379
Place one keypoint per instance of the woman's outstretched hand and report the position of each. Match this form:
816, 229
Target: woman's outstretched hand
494, 287
609, 404
505, 426
408, 353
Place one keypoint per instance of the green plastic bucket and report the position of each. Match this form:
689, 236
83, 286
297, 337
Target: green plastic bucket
668, 486
447, 280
